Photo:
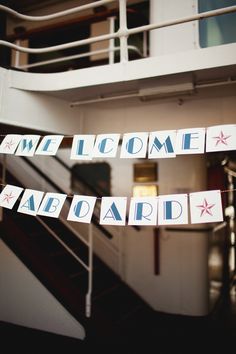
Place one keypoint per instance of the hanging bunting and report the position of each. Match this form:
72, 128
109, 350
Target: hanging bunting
134, 145
169, 209
52, 204
49, 145
10, 143
221, 138
206, 207
143, 211
82, 147
162, 144
190, 141
113, 211
27, 145
106, 145
9, 196
81, 209
173, 209
30, 202
153, 145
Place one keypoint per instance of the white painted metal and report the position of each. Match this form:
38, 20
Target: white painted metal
181, 20
219, 227
17, 56
112, 41
145, 46
61, 46
193, 60
90, 273
78, 56
57, 14
74, 232
123, 32
62, 243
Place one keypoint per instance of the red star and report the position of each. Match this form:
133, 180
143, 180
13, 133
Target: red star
8, 197
221, 139
9, 144
206, 208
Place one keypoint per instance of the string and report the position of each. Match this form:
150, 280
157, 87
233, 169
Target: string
41, 136
100, 198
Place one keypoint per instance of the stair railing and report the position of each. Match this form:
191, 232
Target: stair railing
89, 243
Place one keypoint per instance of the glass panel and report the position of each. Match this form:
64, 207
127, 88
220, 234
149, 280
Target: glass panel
216, 30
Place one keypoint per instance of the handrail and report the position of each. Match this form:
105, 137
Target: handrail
77, 56
62, 242
57, 14
88, 267
121, 33
89, 244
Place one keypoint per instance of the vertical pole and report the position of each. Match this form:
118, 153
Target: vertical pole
17, 55
112, 40
90, 272
156, 251
144, 44
123, 32
4, 162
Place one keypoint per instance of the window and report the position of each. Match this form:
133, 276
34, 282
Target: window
216, 30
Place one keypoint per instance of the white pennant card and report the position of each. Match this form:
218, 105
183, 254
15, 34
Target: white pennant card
134, 145
30, 202
27, 145
162, 144
113, 211
81, 209
143, 211
173, 209
10, 143
221, 138
9, 196
190, 141
106, 145
52, 204
206, 207
82, 147
49, 145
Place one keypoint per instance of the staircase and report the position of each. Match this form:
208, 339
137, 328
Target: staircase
118, 313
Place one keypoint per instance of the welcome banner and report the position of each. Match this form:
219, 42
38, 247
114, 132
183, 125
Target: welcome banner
204, 207
153, 145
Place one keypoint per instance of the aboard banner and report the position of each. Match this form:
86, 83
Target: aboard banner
205, 207
153, 145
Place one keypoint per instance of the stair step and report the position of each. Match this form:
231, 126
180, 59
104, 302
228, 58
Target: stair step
119, 304
68, 264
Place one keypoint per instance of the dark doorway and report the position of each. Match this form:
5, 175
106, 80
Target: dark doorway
91, 179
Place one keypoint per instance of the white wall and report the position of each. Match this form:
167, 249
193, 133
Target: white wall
25, 301
176, 38
35, 110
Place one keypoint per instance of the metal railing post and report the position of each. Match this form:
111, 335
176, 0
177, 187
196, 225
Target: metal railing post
17, 55
90, 272
123, 31
112, 40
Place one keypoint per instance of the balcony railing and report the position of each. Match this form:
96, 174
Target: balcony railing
122, 33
